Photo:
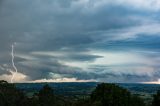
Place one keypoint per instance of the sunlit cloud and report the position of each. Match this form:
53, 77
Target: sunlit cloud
62, 80
19, 77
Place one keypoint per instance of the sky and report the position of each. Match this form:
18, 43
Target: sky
80, 40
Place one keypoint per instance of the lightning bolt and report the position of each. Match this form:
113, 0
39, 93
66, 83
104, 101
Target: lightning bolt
15, 69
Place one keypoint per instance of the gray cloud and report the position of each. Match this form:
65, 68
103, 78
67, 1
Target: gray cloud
62, 37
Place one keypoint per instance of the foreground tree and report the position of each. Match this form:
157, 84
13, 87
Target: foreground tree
10, 96
110, 95
156, 99
113, 95
46, 96
136, 101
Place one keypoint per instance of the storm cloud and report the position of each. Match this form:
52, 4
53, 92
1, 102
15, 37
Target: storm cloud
85, 40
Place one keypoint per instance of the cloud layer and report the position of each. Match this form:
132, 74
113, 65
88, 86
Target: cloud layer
80, 40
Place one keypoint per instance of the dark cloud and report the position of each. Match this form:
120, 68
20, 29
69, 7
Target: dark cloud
60, 37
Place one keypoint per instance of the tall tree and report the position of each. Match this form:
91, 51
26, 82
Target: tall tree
46, 96
156, 99
113, 95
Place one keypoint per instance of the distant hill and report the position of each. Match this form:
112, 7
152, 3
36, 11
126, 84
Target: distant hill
81, 88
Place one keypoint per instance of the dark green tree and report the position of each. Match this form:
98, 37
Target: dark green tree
113, 95
156, 99
10, 96
136, 101
110, 95
46, 96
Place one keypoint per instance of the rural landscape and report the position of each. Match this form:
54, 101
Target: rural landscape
79, 52
78, 94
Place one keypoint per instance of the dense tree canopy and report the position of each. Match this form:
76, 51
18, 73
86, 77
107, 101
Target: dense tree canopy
113, 95
10, 96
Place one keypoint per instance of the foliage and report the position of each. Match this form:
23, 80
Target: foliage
104, 95
113, 95
46, 96
156, 99
9, 95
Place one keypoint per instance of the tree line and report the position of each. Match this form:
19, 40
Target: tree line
104, 95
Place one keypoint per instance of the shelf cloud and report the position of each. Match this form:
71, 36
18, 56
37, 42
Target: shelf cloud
81, 40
